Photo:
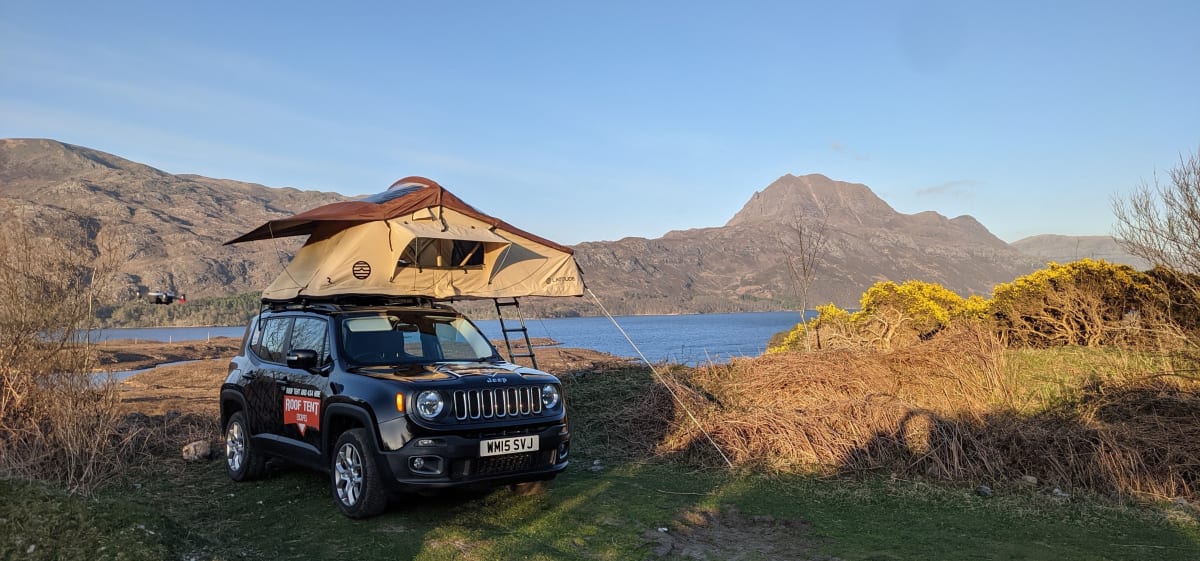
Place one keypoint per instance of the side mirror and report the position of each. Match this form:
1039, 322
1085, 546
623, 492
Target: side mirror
302, 359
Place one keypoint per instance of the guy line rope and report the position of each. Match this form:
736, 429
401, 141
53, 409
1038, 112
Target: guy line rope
659, 376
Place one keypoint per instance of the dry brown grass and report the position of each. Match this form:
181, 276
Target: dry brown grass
55, 423
942, 408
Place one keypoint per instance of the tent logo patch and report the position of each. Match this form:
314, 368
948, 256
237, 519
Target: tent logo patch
361, 270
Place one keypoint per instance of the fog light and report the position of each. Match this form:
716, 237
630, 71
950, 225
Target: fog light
425, 465
563, 449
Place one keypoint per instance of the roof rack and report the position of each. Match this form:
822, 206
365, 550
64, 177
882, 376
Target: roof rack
340, 302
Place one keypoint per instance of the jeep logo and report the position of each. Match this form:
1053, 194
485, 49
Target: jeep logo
492, 379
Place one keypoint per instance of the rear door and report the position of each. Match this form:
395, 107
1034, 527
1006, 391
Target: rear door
264, 397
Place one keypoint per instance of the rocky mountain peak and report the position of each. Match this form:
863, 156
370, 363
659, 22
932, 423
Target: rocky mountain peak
814, 194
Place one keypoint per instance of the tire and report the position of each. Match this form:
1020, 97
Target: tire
243, 462
355, 481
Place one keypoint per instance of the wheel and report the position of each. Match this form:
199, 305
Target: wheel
357, 487
242, 461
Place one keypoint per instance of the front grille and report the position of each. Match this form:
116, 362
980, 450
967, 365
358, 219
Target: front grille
497, 403
504, 464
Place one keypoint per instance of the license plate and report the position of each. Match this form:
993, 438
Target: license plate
514, 445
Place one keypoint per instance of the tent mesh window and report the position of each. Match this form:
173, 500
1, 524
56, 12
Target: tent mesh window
425, 253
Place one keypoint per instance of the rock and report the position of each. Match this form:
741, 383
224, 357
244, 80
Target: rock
1029, 480
197, 451
663, 530
1182, 502
983, 491
1059, 493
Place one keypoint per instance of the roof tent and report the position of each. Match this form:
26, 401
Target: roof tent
416, 239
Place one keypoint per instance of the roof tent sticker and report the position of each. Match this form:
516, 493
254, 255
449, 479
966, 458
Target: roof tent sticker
361, 270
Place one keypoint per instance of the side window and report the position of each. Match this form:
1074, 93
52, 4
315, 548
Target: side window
311, 334
274, 337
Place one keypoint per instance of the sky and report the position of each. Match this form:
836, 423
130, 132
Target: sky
586, 121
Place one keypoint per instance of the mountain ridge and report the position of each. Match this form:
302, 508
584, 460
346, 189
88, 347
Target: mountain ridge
174, 225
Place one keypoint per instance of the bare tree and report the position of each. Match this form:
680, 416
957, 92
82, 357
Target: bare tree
804, 243
1160, 222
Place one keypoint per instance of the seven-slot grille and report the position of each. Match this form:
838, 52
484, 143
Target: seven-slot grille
496, 403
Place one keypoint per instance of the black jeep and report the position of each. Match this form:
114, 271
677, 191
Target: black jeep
387, 396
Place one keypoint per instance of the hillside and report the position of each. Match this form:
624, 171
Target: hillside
741, 265
171, 228
1064, 249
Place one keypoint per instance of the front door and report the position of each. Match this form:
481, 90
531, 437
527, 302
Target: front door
305, 391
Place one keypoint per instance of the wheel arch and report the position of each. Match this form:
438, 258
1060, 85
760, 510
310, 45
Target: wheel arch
341, 417
232, 401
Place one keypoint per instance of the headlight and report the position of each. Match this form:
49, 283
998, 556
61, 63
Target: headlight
550, 396
430, 404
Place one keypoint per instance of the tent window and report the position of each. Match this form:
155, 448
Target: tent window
427, 253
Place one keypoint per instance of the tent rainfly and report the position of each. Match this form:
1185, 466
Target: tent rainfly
416, 239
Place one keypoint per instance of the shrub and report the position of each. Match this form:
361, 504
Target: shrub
892, 315
56, 424
1087, 303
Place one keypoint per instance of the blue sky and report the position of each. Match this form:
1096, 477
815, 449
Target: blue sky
595, 121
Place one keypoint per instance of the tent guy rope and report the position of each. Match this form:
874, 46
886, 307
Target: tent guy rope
659, 376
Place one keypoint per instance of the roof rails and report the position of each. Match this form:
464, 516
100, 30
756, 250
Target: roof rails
340, 302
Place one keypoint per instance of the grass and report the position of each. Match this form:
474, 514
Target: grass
613, 501
192, 511
1048, 377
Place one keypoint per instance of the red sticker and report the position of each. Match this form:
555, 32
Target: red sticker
302, 411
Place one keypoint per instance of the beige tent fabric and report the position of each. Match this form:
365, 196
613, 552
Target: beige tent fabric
439, 251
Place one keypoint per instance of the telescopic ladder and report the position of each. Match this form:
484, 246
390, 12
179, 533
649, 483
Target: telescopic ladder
504, 327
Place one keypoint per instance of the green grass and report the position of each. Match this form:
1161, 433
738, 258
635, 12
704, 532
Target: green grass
192, 511
1049, 377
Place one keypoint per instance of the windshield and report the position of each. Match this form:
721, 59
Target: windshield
387, 338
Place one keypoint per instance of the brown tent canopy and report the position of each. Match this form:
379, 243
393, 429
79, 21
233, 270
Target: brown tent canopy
416, 239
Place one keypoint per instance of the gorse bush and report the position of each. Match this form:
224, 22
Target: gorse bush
1086, 303
891, 315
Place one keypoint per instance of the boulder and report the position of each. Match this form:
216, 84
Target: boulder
197, 451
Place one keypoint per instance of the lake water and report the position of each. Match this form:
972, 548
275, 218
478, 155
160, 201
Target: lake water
686, 339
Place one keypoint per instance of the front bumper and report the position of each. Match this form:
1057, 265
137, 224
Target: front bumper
440, 461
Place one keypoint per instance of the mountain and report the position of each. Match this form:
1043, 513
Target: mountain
171, 227
742, 265
1064, 249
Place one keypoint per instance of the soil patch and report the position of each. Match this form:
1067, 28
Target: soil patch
126, 354
727, 534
